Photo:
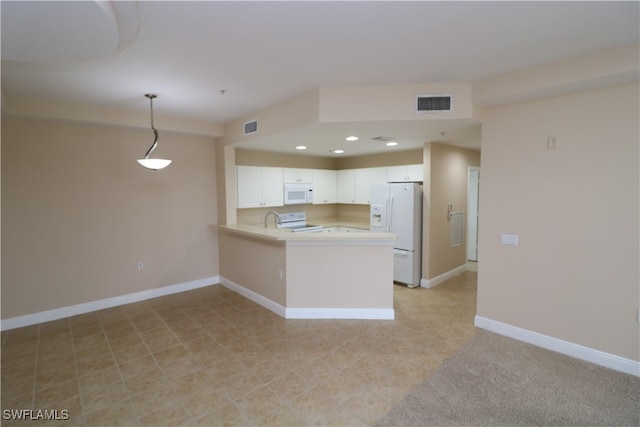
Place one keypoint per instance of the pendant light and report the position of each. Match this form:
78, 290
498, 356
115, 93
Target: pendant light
148, 163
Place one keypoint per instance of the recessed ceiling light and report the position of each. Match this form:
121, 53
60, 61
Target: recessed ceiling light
301, 147
338, 151
391, 144
351, 138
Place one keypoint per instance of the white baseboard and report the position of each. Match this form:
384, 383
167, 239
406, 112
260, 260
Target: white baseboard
598, 357
341, 313
253, 296
310, 313
72, 310
430, 283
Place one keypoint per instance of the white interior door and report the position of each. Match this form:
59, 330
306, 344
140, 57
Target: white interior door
473, 194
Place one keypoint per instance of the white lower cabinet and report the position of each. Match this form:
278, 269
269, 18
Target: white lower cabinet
260, 186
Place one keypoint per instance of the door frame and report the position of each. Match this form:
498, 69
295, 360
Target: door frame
473, 192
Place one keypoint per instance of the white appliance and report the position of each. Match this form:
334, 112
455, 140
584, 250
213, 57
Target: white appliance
397, 208
295, 194
297, 222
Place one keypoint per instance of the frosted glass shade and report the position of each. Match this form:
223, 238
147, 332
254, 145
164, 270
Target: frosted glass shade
154, 164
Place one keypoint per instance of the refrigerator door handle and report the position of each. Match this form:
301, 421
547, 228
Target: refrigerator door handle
391, 218
386, 213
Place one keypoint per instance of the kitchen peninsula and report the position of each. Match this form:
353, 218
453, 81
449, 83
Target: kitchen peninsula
336, 275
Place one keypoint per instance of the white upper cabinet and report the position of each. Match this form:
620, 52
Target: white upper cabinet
294, 176
346, 186
405, 173
324, 186
378, 175
353, 186
362, 186
415, 172
264, 186
260, 186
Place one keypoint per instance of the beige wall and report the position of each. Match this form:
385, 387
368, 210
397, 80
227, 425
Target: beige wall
65, 111
299, 111
255, 265
320, 274
574, 275
79, 213
404, 157
604, 68
266, 158
447, 176
390, 102
255, 216
285, 160
340, 275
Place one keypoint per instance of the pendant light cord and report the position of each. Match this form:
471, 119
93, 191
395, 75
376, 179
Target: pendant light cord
155, 132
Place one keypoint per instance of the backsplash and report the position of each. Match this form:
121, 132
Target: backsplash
314, 212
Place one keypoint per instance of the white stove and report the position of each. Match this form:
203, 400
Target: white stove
297, 222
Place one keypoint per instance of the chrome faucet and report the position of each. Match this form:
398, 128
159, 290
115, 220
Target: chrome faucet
276, 216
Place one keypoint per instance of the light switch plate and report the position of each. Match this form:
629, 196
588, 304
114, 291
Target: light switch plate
509, 239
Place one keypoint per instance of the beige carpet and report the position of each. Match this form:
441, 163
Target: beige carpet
498, 381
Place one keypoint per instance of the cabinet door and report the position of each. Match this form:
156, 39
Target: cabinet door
345, 187
404, 173
378, 175
396, 173
272, 187
249, 186
293, 176
330, 187
415, 172
324, 186
362, 186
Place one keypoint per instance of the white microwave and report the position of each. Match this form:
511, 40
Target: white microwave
295, 194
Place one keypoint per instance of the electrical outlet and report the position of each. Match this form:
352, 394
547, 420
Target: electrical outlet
140, 265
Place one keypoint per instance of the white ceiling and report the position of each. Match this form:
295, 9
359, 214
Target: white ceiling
109, 54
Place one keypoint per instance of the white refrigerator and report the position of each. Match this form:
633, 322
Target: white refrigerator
397, 208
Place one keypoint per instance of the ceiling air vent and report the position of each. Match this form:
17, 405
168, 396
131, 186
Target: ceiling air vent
382, 138
434, 103
251, 127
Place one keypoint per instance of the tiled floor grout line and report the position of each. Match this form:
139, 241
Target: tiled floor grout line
232, 401
117, 365
154, 360
259, 368
75, 363
35, 368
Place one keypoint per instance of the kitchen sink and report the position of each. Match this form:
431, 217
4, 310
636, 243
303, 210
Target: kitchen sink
343, 229
307, 229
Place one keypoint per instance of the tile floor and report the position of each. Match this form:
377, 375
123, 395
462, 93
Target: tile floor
211, 357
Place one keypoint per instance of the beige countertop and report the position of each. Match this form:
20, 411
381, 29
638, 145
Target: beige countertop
272, 233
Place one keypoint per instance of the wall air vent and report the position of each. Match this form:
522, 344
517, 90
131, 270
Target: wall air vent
428, 103
251, 127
